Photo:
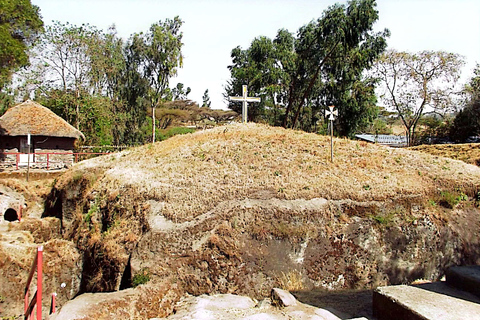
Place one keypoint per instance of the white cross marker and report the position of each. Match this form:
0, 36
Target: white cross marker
244, 98
332, 113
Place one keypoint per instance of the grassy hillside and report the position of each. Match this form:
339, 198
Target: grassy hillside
192, 173
469, 152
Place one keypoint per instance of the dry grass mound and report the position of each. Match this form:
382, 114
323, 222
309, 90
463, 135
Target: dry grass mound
192, 173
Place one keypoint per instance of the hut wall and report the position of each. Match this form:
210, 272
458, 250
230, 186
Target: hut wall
51, 152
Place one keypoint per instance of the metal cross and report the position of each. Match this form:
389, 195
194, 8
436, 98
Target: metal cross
245, 99
331, 114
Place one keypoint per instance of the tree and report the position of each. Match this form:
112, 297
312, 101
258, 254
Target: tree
160, 54
20, 25
179, 93
264, 67
472, 88
414, 81
65, 64
206, 100
324, 65
467, 121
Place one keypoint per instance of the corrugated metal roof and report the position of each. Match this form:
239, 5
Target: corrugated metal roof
384, 139
31, 117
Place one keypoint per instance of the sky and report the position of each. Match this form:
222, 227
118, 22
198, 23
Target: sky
212, 28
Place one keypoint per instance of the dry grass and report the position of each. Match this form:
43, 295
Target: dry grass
291, 281
469, 153
190, 174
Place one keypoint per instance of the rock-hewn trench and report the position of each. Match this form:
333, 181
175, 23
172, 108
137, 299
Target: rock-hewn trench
250, 246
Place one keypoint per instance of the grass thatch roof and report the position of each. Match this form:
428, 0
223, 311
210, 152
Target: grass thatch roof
31, 117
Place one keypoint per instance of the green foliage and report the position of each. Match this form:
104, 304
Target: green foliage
158, 54
77, 176
20, 25
467, 122
165, 134
451, 199
378, 126
434, 127
206, 99
141, 278
384, 219
179, 92
102, 84
298, 77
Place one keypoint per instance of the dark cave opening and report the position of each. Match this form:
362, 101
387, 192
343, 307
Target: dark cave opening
10, 215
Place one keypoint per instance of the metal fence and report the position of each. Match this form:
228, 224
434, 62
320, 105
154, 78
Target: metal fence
44, 160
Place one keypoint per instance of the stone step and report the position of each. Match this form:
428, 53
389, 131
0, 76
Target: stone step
465, 278
430, 301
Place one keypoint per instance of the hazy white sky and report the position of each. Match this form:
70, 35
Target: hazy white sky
212, 28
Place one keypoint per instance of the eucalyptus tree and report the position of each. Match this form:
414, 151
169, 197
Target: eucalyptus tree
324, 64
160, 55
179, 92
413, 82
20, 26
264, 68
206, 100
74, 69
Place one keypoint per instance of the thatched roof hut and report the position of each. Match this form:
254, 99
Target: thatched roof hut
52, 139
32, 118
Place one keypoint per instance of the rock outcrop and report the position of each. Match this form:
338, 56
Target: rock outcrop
246, 208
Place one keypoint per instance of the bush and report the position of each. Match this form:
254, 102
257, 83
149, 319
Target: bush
451, 199
165, 134
141, 278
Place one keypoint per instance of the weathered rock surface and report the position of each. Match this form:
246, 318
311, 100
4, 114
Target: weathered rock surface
62, 264
143, 302
232, 307
113, 305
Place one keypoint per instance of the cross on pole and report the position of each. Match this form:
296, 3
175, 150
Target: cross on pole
331, 114
245, 99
